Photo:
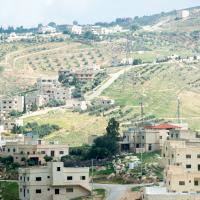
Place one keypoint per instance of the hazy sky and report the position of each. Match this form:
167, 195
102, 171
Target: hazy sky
32, 12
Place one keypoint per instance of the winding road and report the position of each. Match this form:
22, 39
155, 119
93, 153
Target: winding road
116, 191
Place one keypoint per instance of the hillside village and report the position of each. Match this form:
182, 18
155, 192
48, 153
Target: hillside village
101, 111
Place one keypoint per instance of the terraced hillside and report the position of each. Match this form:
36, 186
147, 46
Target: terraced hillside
22, 63
159, 86
75, 128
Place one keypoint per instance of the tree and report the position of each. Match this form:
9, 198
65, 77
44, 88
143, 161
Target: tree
88, 35
48, 158
106, 146
75, 22
17, 129
34, 107
113, 128
137, 62
15, 113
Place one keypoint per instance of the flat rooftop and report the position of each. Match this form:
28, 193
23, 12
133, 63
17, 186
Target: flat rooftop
163, 191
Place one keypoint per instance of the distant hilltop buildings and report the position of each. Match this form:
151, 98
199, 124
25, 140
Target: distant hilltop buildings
183, 14
46, 30
96, 30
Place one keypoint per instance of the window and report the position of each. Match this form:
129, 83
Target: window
69, 178
48, 176
150, 147
48, 189
83, 178
38, 178
198, 167
161, 137
20, 177
27, 178
14, 150
38, 191
188, 166
172, 155
8, 150
181, 182
164, 155
61, 152
20, 189
58, 169
27, 190
198, 155
57, 191
188, 156
69, 189
43, 152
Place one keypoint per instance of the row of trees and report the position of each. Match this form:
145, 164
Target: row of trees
40, 130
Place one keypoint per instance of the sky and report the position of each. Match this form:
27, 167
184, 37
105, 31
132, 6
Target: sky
32, 12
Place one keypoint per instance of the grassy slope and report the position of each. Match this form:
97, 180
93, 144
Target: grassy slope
75, 127
9, 190
161, 91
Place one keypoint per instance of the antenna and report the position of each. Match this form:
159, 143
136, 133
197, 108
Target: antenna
128, 58
142, 110
178, 109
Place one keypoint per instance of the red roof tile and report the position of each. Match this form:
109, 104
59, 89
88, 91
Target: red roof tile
162, 126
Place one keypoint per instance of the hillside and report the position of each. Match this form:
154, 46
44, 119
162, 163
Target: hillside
21, 63
159, 86
75, 127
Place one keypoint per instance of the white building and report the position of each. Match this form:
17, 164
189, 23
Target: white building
76, 29
46, 30
53, 182
183, 14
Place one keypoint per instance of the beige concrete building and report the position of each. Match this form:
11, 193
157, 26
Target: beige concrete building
182, 153
34, 150
147, 139
182, 172
51, 89
9, 104
53, 182
9, 122
83, 74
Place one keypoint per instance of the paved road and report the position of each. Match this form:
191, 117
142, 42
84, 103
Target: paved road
112, 77
115, 191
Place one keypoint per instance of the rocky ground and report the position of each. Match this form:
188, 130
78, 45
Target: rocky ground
129, 195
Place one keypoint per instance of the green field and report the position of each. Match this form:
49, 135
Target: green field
75, 127
159, 86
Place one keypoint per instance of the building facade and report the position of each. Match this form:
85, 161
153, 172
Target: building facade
9, 104
34, 150
181, 158
53, 182
146, 139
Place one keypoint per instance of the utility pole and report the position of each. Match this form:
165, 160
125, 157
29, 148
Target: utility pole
92, 179
141, 131
128, 49
142, 111
178, 109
